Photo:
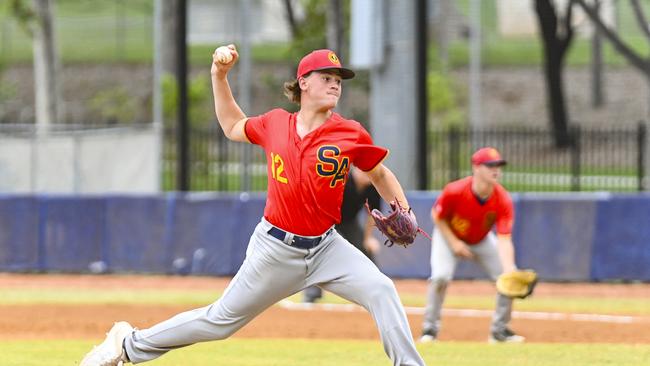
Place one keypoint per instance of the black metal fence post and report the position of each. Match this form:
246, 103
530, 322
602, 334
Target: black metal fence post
641, 142
454, 152
222, 161
575, 158
183, 168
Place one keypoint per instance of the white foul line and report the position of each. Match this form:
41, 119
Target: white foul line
473, 313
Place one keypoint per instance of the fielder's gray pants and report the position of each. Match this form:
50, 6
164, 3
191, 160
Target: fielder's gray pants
273, 271
443, 265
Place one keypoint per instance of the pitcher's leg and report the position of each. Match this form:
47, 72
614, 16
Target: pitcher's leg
348, 273
259, 284
487, 256
443, 265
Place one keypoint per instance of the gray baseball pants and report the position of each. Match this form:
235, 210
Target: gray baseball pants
443, 266
273, 271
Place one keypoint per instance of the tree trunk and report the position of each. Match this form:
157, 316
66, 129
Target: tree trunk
555, 47
291, 18
46, 68
557, 106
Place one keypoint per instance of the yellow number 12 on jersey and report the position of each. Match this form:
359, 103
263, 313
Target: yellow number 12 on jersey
277, 168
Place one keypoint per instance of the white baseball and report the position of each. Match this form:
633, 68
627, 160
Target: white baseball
223, 55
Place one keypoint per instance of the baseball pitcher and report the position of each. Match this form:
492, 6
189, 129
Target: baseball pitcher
295, 245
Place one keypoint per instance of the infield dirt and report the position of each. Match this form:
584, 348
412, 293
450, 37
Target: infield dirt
62, 321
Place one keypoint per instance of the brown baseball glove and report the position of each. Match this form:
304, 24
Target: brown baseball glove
517, 284
400, 226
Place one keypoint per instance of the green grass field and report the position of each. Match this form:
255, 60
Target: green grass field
297, 352
253, 352
576, 304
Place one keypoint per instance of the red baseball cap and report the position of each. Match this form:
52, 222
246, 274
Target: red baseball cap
322, 60
487, 156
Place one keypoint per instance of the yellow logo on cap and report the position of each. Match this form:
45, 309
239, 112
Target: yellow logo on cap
333, 58
494, 154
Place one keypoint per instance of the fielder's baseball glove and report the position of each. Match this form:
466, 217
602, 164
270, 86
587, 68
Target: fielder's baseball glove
519, 284
400, 227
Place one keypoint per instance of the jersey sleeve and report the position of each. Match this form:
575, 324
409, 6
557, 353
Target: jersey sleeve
505, 215
255, 128
366, 155
444, 203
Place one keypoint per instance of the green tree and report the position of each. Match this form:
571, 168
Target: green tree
115, 105
444, 101
23, 14
310, 32
199, 94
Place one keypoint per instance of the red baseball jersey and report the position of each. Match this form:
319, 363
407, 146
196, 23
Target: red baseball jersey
307, 176
470, 218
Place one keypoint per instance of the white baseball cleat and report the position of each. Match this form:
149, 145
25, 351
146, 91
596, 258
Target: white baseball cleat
428, 336
110, 352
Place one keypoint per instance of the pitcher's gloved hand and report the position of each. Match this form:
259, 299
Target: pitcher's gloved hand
400, 226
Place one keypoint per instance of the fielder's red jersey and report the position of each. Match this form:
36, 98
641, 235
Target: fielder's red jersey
307, 176
469, 218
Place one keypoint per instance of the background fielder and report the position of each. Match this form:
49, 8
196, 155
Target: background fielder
464, 215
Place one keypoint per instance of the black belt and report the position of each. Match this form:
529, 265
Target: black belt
298, 241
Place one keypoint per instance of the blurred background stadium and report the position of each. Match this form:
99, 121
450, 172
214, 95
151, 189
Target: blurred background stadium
106, 112
112, 163
106, 70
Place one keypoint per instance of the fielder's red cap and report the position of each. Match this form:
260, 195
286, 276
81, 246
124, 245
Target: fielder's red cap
487, 156
322, 60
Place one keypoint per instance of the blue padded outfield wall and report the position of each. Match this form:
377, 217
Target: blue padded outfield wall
564, 236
